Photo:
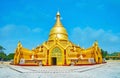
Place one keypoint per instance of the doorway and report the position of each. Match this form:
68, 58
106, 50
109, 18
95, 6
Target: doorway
54, 61
56, 56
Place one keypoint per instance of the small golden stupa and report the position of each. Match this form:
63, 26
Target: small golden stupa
58, 50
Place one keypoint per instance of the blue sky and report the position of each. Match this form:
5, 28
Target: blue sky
30, 21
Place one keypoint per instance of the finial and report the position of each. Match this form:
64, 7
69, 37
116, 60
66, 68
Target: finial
58, 13
19, 44
19, 41
58, 22
96, 43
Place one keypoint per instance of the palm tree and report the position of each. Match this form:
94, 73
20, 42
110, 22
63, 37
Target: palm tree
2, 54
2, 48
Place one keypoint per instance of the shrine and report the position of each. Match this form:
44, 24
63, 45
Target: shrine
58, 50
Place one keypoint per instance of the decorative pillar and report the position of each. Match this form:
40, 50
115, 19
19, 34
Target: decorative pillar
65, 57
47, 56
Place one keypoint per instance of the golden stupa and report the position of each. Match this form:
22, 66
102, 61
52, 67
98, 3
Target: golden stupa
58, 50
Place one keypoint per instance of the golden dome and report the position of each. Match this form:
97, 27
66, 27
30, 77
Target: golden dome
58, 31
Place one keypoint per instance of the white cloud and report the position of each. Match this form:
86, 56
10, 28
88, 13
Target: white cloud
85, 37
6, 29
11, 34
12, 29
36, 30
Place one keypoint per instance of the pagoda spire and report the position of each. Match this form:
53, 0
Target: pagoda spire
58, 22
58, 31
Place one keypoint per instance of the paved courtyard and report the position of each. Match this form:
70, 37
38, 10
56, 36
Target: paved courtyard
108, 70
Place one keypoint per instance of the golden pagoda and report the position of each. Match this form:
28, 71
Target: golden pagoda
58, 50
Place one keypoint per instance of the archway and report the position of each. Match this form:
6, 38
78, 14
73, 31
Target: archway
56, 56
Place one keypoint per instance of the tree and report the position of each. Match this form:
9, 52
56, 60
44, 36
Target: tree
2, 56
1, 48
104, 53
10, 56
114, 54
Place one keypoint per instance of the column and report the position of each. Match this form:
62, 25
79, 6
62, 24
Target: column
65, 57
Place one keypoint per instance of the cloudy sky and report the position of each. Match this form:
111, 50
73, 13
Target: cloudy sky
30, 21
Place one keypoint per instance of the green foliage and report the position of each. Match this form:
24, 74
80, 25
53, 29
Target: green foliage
104, 53
2, 56
1, 48
114, 54
10, 56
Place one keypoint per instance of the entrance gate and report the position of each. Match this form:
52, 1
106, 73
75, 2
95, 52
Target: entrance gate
56, 57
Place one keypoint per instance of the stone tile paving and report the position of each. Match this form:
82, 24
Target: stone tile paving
108, 70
